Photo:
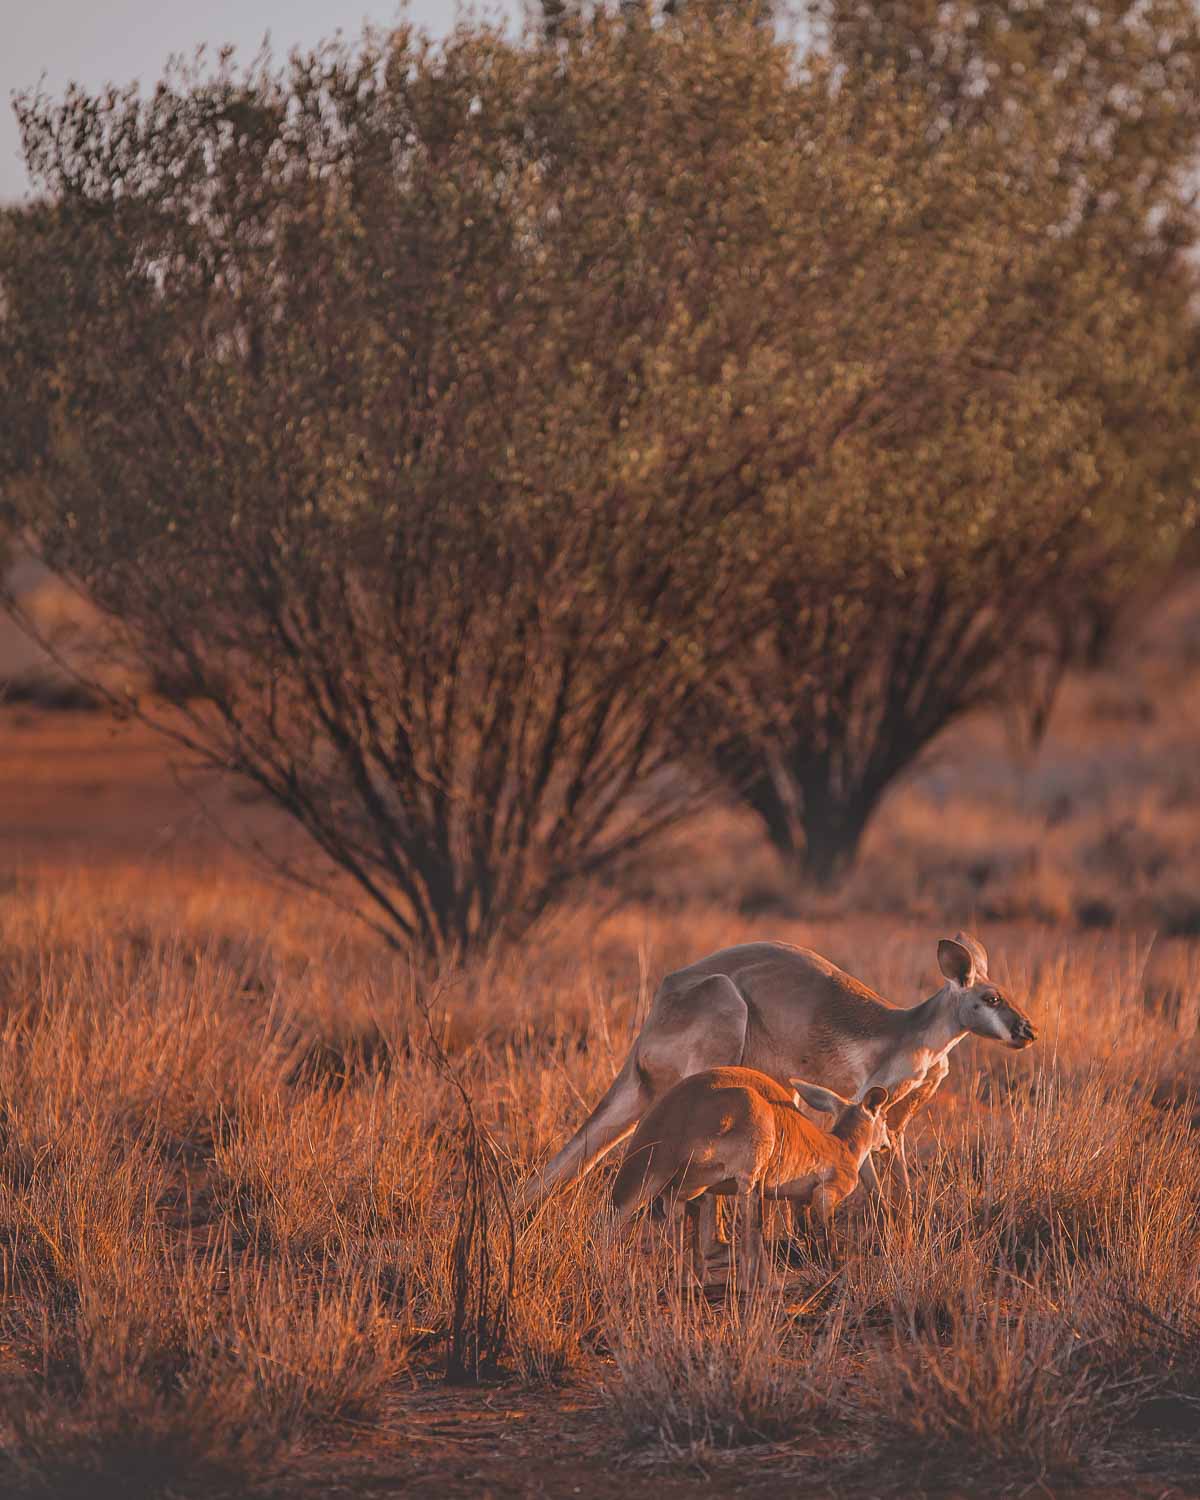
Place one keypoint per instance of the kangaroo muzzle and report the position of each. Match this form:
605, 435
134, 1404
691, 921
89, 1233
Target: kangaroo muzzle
1023, 1033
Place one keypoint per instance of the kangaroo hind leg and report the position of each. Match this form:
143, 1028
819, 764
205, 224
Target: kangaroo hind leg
702, 1025
689, 1029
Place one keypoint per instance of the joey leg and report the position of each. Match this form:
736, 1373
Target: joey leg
748, 1262
695, 1262
759, 1268
797, 1232
824, 1201
708, 1213
903, 1111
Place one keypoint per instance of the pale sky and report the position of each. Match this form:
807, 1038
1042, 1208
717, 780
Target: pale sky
96, 42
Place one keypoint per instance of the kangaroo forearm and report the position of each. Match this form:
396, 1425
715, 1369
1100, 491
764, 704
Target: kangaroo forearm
901, 1113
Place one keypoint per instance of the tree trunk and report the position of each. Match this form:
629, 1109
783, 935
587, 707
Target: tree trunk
815, 831
833, 828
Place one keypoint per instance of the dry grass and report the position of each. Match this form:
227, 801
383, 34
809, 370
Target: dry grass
231, 1170
229, 1178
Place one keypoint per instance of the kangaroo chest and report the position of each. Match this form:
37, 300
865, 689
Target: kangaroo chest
850, 1060
900, 1070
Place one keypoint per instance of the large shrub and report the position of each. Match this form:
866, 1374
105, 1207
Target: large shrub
408, 411
467, 438
1022, 333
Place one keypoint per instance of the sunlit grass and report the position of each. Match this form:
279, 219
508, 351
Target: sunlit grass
229, 1180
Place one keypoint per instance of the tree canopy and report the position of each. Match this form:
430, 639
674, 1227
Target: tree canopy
1034, 454
473, 437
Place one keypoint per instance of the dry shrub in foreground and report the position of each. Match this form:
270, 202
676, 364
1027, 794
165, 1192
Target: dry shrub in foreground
483, 1255
693, 1380
143, 1347
200, 1381
994, 1387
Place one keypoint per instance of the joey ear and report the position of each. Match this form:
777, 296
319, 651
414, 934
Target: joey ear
874, 1099
956, 963
824, 1100
977, 951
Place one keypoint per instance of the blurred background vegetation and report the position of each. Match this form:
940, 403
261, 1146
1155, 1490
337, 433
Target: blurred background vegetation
499, 452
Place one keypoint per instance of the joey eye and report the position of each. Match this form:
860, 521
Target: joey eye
993, 1000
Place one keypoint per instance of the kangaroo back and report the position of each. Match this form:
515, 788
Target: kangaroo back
685, 1132
659, 1147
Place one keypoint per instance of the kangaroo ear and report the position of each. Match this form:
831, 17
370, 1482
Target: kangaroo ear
956, 963
824, 1100
977, 951
874, 1100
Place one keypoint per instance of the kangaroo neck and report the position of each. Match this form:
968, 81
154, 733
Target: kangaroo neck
934, 1025
855, 1135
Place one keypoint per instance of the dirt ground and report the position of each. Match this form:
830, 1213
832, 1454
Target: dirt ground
509, 1443
83, 789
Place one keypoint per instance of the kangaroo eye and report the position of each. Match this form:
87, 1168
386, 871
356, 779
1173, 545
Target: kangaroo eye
992, 1000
